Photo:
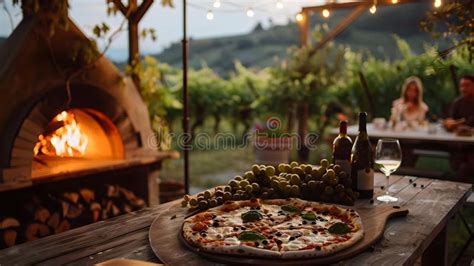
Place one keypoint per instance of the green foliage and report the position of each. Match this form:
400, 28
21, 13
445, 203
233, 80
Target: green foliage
453, 19
385, 78
159, 97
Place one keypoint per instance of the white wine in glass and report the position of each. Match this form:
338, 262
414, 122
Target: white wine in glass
388, 158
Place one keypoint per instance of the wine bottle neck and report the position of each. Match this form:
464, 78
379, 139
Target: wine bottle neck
362, 122
343, 128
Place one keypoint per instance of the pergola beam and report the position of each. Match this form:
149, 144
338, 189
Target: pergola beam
356, 13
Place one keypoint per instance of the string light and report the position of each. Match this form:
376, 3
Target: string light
279, 4
325, 13
373, 9
394, 1
299, 17
437, 3
217, 4
250, 12
210, 15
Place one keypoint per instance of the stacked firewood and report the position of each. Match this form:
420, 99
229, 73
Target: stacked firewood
54, 213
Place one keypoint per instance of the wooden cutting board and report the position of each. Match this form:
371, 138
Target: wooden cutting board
167, 244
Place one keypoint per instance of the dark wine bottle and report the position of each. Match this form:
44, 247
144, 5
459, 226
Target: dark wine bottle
362, 161
341, 148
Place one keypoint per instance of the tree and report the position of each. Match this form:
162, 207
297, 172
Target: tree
453, 19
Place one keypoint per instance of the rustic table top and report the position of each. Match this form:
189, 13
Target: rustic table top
431, 203
420, 134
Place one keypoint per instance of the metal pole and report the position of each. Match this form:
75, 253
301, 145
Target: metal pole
185, 100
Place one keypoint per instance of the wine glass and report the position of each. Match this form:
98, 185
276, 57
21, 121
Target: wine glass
388, 157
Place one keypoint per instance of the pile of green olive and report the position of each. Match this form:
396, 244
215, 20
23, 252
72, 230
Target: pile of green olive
327, 183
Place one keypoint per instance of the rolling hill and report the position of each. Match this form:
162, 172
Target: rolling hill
260, 47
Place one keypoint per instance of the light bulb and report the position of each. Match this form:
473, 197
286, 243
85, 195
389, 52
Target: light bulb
210, 15
217, 3
250, 12
373, 9
299, 17
279, 4
394, 1
437, 3
325, 13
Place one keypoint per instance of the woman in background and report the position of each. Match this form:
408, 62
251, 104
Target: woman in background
410, 106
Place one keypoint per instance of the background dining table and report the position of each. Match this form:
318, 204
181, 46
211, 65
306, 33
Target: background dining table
421, 235
417, 142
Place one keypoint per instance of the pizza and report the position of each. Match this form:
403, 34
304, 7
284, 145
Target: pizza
276, 228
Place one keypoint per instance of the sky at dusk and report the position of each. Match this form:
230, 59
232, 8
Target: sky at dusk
229, 19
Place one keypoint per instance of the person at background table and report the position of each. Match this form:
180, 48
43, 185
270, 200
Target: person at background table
410, 107
462, 118
462, 110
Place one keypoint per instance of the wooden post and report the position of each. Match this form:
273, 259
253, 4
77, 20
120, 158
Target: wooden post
134, 13
304, 26
133, 46
185, 100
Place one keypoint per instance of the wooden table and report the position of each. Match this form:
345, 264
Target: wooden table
421, 234
416, 142
421, 135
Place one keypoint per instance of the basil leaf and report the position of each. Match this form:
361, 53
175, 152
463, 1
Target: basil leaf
251, 216
250, 236
289, 208
309, 216
339, 229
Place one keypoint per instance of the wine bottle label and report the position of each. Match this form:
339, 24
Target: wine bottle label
345, 165
365, 179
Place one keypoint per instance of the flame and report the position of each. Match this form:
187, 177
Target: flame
65, 141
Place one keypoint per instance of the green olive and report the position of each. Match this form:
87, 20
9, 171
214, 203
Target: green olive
270, 170
331, 173
295, 180
333, 180
293, 164
184, 203
312, 185
274, 184
207, 194
343, 174
220, 200
236, 196
281, 168
227, 195
193, 202
199, 198
248, 188
240, 191
287, 168
255, 169
328, 190
255, 187
297, 170
238, 178
324, 163
243, 183
203, 204
187, 197
308, 169
295, 189
233, 183
249, 175
339, 188
219, 193
213, 202
227, 189
337, 169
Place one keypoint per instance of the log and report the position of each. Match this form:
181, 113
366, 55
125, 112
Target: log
63, 226
9, 237
73, 197
42, 214
32, 231
87, 195
53, 220
9, 222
